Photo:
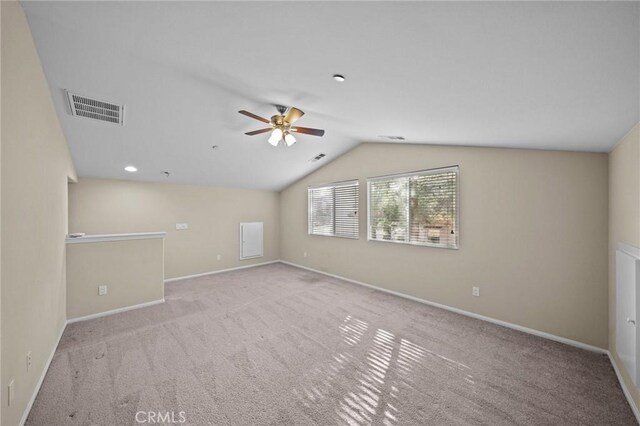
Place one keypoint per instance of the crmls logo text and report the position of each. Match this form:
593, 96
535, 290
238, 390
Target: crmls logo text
156, 417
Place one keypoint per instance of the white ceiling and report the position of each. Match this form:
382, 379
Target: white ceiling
543, 75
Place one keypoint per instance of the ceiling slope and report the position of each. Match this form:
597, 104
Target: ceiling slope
546, 75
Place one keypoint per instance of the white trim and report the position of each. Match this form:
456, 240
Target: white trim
115, 311
351, 182
242, 241
466, 313
629, 249
455, 169
186, 277
354, 183
433, 171
115, 237
410, 243
27, 409
625, 390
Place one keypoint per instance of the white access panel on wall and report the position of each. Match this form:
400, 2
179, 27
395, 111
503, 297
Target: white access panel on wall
251, 240
627, 293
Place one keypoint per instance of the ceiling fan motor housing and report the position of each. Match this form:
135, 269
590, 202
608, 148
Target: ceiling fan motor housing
277, 120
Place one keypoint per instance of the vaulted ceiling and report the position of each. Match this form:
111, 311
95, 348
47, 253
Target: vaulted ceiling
546, 75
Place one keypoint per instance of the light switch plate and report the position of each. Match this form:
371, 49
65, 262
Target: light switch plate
102, 290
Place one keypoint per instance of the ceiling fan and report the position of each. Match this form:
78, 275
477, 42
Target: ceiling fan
282, 125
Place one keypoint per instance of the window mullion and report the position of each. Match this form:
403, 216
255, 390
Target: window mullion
333, 218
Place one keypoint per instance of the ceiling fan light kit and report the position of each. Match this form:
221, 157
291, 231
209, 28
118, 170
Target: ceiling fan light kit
281, 126
276, 136
289, 139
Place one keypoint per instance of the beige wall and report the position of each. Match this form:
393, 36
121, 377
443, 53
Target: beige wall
533, 236
1, 382
35, 167
101, 206
132, 270
624, 223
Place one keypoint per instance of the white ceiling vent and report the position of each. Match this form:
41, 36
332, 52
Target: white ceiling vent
393, 138
98, 110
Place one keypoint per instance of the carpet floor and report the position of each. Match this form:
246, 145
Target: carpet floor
279, 345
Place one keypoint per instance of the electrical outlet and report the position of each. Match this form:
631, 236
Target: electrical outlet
476, 291
219, 257
11, 392
102, 290
182, 226
28, 361
305, 254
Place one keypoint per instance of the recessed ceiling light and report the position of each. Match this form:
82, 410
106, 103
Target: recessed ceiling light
131, 169
339, 78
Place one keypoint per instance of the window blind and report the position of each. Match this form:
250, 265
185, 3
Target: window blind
418, 208
333, 209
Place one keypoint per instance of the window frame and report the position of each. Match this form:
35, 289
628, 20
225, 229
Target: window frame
333, 186
437, 170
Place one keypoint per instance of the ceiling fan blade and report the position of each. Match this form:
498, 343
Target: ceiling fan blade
308, 131
252, 115
257, 132
293, 114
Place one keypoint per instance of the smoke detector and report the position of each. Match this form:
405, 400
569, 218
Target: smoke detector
84, 106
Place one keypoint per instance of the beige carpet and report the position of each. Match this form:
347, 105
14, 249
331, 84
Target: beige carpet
277, 345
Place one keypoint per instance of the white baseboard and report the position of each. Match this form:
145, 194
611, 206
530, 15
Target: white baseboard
624, 387
463, 312
549, 336
114, 311
186, 277
27, 409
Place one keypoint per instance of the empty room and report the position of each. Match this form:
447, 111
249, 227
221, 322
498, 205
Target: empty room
319, 213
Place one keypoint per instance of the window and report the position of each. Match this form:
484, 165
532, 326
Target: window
333, 209
415, 208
